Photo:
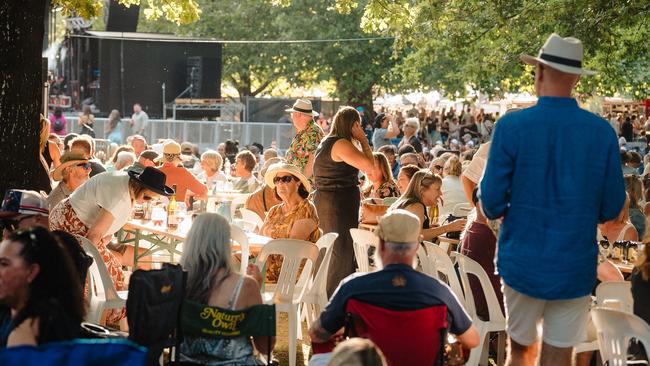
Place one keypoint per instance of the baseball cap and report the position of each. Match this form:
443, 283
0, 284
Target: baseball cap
399, 226
149, 154
23, 202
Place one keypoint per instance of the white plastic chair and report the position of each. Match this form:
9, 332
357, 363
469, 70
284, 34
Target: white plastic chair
442, 263
284, 297
362, 240
615, 295
239, 236
251, 217
314, 298
615, 329
101, 289
497, 322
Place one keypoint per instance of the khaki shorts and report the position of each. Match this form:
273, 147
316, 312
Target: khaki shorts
564, 322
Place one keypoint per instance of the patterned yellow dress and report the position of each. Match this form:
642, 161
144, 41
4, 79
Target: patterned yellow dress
278, 225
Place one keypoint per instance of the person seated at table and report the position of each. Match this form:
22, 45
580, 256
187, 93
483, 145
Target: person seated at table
41, 299
102, 205
86, 145
72, 173
396, 286
264, 197
357, 352
634, 188
212, 280
244, 164
641, 283
452, 188
23, 209
424, 191
211, 164
295, 217
479, 243
146, 158
380, 182
621, 228
178, 175
124, 160
405, 175
110, 164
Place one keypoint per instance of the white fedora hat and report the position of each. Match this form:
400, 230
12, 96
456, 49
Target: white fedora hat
303, 106
562, 54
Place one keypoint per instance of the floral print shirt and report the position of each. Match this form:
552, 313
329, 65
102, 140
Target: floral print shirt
304, 143
385, 190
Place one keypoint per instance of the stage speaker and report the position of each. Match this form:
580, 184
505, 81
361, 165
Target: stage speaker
203, 73
119, 18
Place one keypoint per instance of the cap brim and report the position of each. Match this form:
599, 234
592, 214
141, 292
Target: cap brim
531, 60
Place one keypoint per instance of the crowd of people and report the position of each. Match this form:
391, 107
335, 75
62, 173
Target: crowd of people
537, 189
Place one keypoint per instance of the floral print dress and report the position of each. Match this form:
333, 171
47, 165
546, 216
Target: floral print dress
278, 225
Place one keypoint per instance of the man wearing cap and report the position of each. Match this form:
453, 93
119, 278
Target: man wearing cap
73, 172
147, 158
22, 209
553, 174
397, 286
178, 175
308, 137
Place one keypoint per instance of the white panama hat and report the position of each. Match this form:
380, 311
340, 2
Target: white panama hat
562, 54
303, 106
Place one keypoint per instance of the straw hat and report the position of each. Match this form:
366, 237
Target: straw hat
277, 168
303, 106
562, 54
171, 153
70, 158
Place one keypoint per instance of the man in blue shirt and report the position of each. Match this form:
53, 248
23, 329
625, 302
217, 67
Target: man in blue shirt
397, 286
553, 174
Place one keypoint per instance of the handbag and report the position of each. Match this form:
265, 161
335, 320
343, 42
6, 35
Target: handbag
371, 210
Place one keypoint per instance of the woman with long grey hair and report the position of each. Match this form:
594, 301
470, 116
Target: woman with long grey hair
211, 280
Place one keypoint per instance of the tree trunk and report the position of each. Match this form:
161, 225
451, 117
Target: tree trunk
21, 41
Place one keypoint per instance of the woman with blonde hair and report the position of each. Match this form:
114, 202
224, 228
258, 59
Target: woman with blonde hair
424, 191
113, 129
621, 228
380, 183
211, 163
634, 188
452, 188
336, 168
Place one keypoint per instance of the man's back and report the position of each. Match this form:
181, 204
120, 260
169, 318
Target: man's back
553, 173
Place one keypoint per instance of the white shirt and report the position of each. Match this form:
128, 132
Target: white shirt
474, 170
109, 191
452, 194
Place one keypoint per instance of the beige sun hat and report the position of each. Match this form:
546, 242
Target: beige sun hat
562, 54
68, 159
303, 106
399, 227
277, 168
171, 152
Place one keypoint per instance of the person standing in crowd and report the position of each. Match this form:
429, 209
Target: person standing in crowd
86, 145
139, 144
385, 129
86, 122
178, 175
72, 173
48, 157
41, 297
308, 137
337, 198
101, 206
546, 211
627, 129
139, 120
57, 122
113, 129
410, 128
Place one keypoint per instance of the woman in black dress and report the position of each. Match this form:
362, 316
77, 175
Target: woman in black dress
337, 197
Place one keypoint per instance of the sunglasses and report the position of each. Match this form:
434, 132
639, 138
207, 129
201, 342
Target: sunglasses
147, 198
285, 179
86, 166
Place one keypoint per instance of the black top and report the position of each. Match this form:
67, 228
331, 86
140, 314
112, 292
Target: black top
627, 131
330, 175
415, 142
46, 155
425, 223
96, 168
641, 295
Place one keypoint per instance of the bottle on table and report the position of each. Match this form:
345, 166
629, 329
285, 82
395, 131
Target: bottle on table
172, 212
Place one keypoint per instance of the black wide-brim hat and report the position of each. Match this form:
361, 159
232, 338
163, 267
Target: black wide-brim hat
153, 179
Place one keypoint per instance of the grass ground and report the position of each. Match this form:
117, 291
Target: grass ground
281, 351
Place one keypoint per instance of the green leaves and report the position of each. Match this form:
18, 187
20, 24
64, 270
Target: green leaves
177, 11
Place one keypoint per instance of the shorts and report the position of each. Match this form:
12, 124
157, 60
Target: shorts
564, 322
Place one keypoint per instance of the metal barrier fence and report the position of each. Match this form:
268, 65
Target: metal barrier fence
205, 134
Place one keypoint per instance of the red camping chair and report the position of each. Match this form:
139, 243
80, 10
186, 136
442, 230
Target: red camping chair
413, 337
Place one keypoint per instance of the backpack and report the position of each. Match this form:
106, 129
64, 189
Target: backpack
153, 307
58, 125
